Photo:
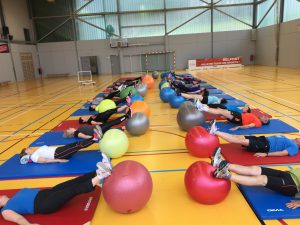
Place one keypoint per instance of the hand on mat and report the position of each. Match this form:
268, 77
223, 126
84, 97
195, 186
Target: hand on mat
234, 128
260, 154
62, 160
294, 204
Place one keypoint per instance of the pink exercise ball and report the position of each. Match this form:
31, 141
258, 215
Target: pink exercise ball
202, 186
128, 188
200, 143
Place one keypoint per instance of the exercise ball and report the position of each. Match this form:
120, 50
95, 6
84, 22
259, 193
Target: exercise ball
149, 81
202, 186
140, 106
128, 188
105, 105
142, 89
138, 124
165, 85
200, 143
188, 116
161, 83
176, 101
136, 97
166, 94
155, 74
126, 91
114, 143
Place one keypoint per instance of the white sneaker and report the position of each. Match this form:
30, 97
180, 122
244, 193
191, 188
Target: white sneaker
216, 157
212, 127
103, 171
106, 161
200, 106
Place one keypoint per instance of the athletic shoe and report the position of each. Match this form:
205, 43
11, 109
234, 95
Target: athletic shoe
102, 171
222, 170
106, 161
212, 127
98, 132
216, 157
200, 106
178, 93
121, 87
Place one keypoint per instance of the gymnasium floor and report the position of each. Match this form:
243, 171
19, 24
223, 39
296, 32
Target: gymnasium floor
28, 109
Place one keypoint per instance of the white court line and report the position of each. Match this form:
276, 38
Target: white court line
11, 135
258, 91
43, 104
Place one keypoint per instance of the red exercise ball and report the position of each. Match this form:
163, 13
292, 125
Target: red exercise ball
149, 81
202, 186
200, 143
128, 188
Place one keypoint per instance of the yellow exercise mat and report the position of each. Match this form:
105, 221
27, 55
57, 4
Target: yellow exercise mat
170, 204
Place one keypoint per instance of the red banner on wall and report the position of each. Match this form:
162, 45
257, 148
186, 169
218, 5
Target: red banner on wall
218, 61
4, 48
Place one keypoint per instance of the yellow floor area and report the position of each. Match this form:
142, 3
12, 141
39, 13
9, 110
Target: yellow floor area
29, 109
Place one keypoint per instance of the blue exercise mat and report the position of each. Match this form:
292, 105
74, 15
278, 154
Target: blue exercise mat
80, 163
235, 103
227, 97
54, 138
84, 112
208, 86
269, 205
100, 95
215, 91
275, 126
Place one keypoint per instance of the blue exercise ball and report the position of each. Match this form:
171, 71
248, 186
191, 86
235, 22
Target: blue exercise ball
166, 94
176, 101
136, 97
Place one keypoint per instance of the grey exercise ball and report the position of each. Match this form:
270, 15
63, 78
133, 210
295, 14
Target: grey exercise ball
155, 74
189, 116
142, 89
138, 124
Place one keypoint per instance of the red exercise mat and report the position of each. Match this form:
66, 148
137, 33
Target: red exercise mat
79, 211
256, 112
64, 125
235, 153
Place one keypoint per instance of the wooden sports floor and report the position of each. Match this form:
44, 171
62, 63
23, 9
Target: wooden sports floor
28, 109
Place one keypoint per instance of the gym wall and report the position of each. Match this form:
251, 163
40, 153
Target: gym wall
289, 48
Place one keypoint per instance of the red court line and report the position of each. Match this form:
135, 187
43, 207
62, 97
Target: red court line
282, 222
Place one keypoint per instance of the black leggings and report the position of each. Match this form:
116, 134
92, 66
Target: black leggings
50, 200
112, 94
106, 126
102, 117
65, 152
221, 106
280, 181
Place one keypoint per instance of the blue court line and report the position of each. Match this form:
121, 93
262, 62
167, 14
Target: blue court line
259, 103
163, 171
31, 123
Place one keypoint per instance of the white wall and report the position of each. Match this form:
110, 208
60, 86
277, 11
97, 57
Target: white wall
6, 73
289, 52
60, 57
289, 47
21, 48
16, 17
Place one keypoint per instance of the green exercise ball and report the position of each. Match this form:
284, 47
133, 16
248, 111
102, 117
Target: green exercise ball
128, 90
114, 143
105, 105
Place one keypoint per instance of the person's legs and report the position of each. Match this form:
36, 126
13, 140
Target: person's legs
50, 200
221, 106
112, 94
237, 139
65, 152
192, 96
106, 126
